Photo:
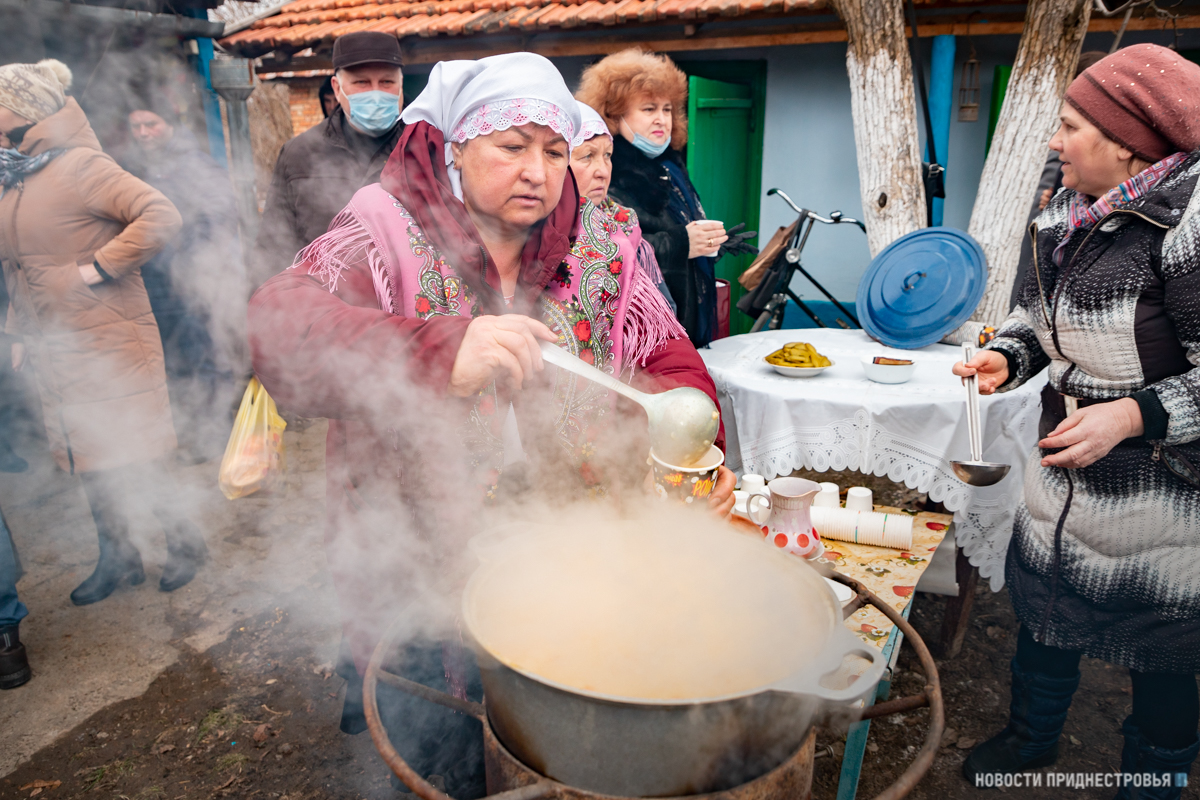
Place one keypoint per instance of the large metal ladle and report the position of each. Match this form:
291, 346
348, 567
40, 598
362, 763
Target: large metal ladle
683, 422
976, 472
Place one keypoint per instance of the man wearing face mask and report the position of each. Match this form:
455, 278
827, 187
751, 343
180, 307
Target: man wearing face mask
320, 170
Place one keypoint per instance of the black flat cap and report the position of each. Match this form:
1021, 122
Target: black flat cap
366, 47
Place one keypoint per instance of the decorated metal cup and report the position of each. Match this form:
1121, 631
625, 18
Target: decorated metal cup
687, 484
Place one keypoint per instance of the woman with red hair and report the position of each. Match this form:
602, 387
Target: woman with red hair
643, 97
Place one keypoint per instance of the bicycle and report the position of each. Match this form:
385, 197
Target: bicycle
788, 264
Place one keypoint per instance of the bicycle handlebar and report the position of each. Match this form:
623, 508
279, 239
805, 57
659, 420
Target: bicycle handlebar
834, 217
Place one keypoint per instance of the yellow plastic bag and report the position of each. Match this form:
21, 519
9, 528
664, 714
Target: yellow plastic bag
254, 457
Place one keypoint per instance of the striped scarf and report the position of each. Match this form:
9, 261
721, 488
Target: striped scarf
15, 165
1082, 215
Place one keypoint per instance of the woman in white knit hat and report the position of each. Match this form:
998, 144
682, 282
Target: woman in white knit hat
75, 229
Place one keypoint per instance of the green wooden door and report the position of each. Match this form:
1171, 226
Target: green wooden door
724, 160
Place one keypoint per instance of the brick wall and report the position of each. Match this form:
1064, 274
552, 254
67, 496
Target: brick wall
305, 106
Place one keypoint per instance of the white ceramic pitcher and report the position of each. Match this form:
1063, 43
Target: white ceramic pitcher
790, 525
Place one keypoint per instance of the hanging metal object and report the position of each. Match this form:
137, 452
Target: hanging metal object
968, 88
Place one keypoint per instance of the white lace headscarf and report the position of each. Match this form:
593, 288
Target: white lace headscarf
591, 124
465, 99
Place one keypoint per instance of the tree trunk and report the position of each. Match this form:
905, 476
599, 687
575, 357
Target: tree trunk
1045, 66
885, 119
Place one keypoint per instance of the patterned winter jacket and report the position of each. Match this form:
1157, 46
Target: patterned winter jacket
1121, 316
1104, 558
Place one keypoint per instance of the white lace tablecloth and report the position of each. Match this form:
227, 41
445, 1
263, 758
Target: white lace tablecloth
908, 432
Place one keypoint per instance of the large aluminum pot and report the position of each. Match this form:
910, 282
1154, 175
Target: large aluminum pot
637, 747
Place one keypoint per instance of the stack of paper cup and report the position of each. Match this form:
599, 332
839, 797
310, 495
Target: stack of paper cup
828, 497
864, 527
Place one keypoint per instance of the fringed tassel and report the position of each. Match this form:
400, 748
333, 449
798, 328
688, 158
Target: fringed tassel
331, 253
382, 278
649, 321
648, 262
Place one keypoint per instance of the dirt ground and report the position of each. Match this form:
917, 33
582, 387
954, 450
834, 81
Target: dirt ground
255, 714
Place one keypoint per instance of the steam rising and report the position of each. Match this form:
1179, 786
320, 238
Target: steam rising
621, 596
669, 606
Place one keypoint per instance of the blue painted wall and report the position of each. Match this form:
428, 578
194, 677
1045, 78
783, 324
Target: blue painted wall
809, 149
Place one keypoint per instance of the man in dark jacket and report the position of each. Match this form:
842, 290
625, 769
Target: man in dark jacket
197, 284
320, 170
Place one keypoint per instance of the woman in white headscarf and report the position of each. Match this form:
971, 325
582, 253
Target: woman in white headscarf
591, 164
414, 325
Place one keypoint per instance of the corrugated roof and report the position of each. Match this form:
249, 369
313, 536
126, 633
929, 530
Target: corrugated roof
316, 23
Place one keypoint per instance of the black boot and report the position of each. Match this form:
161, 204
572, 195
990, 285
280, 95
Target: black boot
14, 663
1030, 740
186, 552
119, 559
1140, 758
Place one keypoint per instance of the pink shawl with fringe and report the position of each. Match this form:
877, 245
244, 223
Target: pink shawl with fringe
600, 301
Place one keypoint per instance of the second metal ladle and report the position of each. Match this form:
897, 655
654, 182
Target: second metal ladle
976, 472
683, 421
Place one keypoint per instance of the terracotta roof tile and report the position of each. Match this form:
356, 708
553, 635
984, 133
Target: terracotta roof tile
457, 26
649, 11
555, 13
305, 23
516, 15
529, 21
366, 12
609, 17
420, 25
628, 10
483, 19
592, 13
405, 24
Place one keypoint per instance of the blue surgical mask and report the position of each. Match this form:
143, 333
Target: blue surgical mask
374, 112
648, 147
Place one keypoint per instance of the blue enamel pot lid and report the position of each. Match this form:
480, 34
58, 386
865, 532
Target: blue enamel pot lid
922, 286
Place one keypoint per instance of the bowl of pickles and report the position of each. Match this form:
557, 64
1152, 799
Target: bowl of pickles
798, 360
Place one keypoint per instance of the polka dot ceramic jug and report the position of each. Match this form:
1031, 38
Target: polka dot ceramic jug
790, 525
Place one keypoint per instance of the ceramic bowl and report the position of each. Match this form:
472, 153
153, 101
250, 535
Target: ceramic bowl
798, 372
887, 373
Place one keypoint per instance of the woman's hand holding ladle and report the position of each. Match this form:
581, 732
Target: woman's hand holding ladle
503, 349
990, 366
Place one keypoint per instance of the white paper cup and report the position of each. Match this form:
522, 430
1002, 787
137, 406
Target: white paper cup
828, 497
753, 483
859, 498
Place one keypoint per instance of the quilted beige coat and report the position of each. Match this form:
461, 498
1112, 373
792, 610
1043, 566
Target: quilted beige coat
95, 350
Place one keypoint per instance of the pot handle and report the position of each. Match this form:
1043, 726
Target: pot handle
808, 681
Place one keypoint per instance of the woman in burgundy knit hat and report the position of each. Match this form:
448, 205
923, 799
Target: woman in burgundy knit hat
1105, 556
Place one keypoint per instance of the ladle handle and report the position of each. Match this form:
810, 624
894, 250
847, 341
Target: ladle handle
974, 426
564, 360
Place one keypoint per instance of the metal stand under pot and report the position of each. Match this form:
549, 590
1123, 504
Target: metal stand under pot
509, 779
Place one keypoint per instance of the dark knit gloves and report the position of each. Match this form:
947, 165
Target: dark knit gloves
738, 244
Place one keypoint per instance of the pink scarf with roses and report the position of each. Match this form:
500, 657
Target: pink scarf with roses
598, 300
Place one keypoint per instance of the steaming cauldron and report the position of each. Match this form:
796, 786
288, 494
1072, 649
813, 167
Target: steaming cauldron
627, 745
622, 746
